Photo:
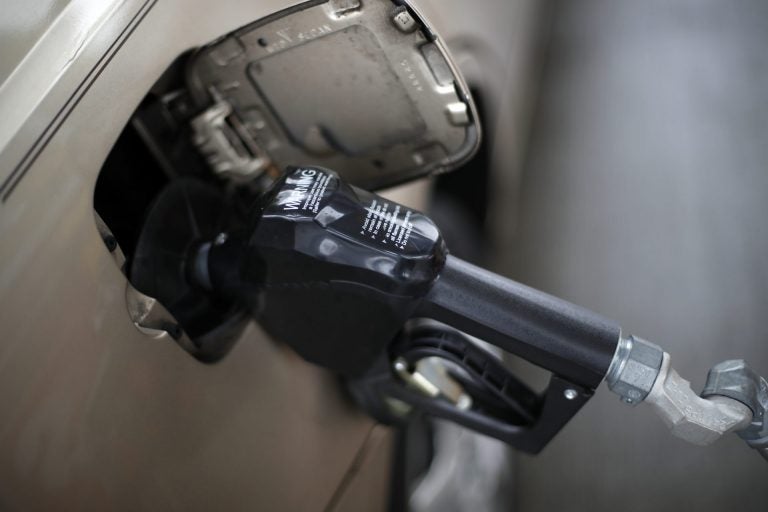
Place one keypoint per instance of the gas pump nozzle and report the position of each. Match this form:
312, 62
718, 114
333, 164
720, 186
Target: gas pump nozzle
338, 273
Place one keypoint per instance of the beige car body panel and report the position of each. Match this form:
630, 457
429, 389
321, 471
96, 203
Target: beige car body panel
95, 414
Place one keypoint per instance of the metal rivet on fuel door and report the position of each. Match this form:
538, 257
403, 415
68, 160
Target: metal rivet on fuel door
403, 20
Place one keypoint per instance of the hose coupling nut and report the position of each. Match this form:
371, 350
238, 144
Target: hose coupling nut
634, 369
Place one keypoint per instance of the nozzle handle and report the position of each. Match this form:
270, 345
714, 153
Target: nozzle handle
554, 334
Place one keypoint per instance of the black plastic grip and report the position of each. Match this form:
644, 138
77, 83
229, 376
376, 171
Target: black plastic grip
554, 334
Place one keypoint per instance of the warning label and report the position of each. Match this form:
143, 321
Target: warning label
304, 190
387, 223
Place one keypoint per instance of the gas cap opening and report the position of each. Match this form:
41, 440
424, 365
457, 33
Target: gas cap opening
133, 209
225, 120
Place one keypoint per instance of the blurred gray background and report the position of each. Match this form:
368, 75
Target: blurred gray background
644, 195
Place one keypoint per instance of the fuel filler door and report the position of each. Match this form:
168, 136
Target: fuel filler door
362, 87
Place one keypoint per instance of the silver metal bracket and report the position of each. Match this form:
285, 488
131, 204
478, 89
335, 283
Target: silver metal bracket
227, 143
431, 377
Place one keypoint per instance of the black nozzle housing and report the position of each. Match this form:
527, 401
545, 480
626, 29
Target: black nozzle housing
328, 268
